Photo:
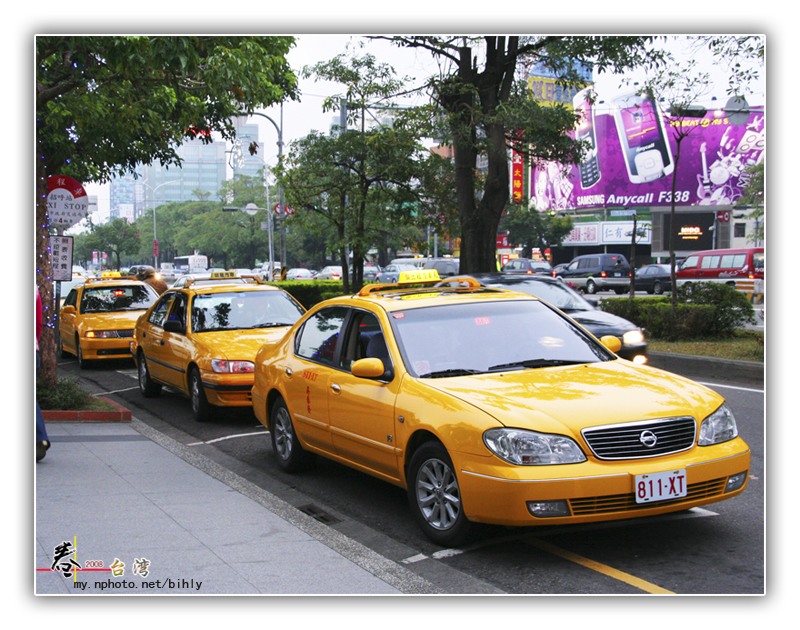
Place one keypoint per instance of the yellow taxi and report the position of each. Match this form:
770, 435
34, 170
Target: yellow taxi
491, 406
97, 317
201, 339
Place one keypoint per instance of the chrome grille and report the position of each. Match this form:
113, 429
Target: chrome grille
637, 440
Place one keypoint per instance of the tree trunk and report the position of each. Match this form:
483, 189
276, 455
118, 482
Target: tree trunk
44, 274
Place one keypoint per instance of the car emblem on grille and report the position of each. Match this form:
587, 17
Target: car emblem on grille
648, 439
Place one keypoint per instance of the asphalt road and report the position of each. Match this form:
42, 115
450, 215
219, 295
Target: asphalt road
719, 549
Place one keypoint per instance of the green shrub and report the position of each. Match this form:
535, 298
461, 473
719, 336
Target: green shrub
704, 309
309, 293
66, 394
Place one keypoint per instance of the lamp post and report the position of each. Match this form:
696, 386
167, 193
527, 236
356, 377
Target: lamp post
279, 129
155, 239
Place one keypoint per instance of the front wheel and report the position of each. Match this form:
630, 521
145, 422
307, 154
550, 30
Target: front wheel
197, 395
435, 497
82, 362
288, 452
657, 288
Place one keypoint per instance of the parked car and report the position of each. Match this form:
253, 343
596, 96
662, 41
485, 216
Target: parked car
737, 267
299, 273
201, 340
653, 278
598, 272
331, 272
391, 272
492, 406
527, 266
98, 316
446, 266
568, 300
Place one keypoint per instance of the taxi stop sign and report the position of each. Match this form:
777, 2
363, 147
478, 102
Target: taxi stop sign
67, 202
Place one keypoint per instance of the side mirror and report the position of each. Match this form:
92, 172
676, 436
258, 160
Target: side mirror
68, 310
611, 342
371, 368
173, 326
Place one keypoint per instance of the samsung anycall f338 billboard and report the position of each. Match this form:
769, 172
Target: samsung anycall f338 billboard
632, 157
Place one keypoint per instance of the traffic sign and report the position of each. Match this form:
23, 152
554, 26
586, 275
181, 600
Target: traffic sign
67, 202
723, 216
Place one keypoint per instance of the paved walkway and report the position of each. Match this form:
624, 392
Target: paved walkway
121, 508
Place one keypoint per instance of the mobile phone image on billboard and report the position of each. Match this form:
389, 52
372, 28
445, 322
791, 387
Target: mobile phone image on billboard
643, 138
589, 168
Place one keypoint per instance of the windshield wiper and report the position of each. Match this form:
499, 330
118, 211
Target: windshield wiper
450, 372
534, 363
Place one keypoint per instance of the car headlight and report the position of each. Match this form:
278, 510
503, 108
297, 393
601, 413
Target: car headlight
529, 448
633, 337
101, 334
720, 426
232, 367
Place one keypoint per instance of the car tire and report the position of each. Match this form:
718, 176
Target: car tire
435, 497
657, 288
591, 287
82, 362
289, 454
197, 396
147, 387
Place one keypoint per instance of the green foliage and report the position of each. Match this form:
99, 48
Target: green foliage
531, 228
704, 310
66, 395
310, 293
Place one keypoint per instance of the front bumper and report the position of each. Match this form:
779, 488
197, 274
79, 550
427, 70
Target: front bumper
595, 490
99, 349
228, 390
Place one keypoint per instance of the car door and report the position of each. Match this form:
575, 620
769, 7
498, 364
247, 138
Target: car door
307, 372
361, 410
150, 338
177, 347
66, 322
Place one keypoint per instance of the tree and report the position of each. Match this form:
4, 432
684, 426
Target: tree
357, 176
489, 110
753, 197
105, 104
117, 237
531, 228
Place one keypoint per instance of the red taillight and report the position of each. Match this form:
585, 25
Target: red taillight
603, 274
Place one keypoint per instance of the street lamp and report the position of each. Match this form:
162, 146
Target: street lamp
155, 239
279, 129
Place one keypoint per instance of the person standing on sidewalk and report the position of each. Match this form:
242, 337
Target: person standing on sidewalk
42, 440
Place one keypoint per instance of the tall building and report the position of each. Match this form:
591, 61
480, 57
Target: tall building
200, 175
242, 161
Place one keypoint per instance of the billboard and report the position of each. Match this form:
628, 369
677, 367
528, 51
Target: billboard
631, 157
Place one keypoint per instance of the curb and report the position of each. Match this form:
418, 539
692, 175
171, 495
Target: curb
121, 414
704, 367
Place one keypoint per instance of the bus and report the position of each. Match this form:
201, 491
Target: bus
192, 262
740, 267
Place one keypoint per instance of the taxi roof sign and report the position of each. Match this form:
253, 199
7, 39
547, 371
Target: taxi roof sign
404, 278
223, 274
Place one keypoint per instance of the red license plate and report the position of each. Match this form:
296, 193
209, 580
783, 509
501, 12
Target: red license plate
661, 486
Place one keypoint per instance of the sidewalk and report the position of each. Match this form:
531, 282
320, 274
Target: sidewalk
141, 514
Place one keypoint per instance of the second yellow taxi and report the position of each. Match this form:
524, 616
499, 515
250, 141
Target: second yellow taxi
201, 340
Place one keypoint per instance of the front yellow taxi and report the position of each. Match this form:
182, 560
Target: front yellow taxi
201, 340
490, 406
97, 318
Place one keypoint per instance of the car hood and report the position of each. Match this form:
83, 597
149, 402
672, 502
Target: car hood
570, 398
601, 323
239, 344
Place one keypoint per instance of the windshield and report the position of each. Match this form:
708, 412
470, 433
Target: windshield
556, 293
238, 310
459, 339
118, 298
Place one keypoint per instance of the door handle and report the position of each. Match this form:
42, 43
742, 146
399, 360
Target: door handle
336, 388
288, 371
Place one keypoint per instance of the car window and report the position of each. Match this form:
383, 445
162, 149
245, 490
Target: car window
159, 313
365, 339
72, 298
690, 262
116, 298
758, 261
709, 262
238, 310
178, 311
318, 337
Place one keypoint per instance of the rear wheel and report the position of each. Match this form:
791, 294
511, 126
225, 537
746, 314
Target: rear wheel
147, 387
435, 497
288, 452
197, 395
591, 287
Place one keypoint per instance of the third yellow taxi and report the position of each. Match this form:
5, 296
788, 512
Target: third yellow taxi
491, 406
202, 337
